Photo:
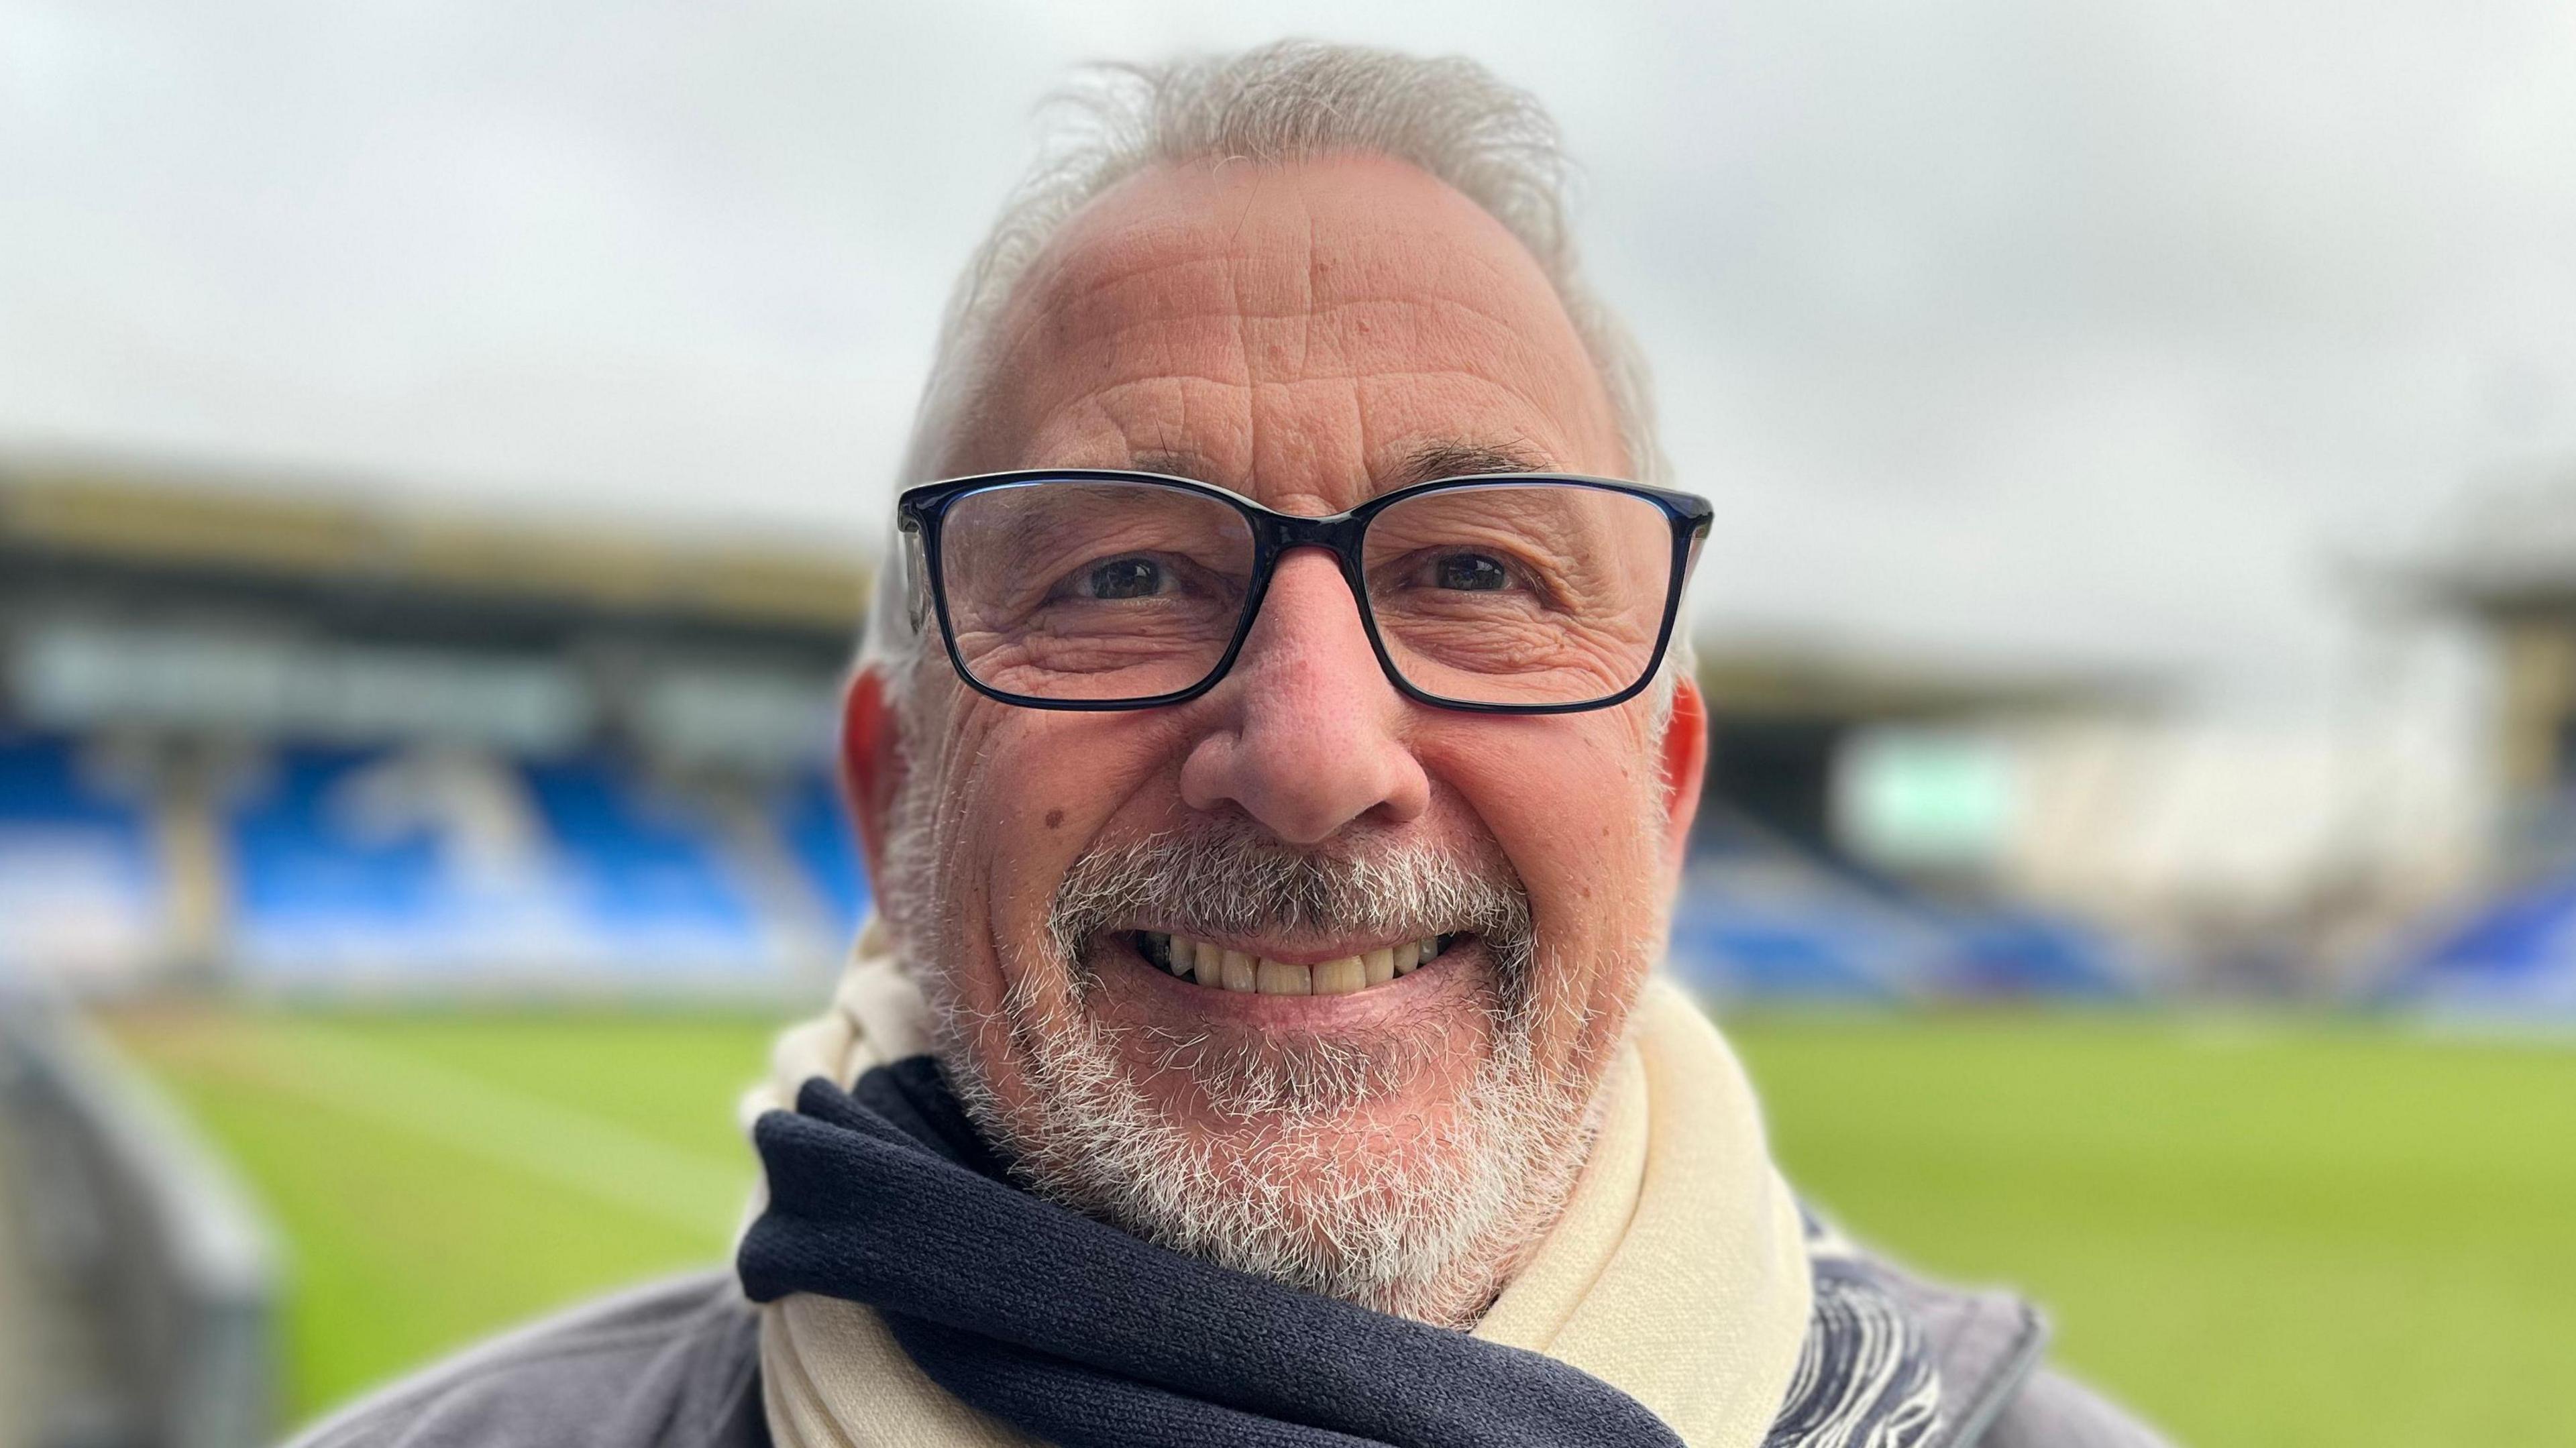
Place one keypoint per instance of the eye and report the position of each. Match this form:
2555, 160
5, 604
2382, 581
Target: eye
1468, 572
1124, 578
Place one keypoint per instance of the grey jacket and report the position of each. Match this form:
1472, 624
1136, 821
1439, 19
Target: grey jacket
677, 1365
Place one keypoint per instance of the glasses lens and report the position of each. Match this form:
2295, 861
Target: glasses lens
1093, 590
1520, 593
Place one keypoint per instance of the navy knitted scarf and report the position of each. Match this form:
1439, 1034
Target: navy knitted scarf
1081, 1334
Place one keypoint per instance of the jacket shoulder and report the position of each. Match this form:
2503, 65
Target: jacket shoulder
674, 1364
1996, 1390
2055, 1411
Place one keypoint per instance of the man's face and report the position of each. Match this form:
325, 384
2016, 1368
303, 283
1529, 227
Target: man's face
1308, 335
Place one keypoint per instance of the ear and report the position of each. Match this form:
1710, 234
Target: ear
871, 765
1685, 763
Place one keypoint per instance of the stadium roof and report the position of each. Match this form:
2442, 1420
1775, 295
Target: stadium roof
1805, 681
2511, 550
272, 528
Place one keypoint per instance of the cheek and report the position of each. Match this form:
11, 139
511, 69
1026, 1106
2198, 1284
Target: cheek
1028, 792
1576, 804
1581, 820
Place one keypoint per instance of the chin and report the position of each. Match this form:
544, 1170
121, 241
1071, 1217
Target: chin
1398, 1159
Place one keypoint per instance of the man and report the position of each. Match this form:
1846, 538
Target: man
1273, 752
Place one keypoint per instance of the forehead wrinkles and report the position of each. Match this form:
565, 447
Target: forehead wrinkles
1289, 333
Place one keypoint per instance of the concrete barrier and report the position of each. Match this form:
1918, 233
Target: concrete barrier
143, 1283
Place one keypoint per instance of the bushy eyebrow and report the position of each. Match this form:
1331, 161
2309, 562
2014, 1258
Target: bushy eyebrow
1439, 458
1179, 463
1451, 458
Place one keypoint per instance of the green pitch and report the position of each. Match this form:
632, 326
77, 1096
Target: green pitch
2257, 1232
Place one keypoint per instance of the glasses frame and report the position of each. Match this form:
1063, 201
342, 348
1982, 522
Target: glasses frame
921, 511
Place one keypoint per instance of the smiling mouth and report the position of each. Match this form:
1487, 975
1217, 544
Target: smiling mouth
1212, 965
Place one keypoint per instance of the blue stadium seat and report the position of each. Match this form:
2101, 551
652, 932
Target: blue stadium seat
81, 889
41, 784
2013, 953
1759, 916
645, 874
2510, 957
815, 823
360, 865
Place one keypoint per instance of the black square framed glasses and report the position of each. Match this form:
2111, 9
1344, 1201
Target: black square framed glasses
1507, 593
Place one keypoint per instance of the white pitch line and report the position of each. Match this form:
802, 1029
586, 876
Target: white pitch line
586, 1153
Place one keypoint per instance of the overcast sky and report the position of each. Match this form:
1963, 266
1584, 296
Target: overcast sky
2000, 329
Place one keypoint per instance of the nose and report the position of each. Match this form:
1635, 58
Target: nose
1305, 734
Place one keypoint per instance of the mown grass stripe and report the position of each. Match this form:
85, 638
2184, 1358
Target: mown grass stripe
578, 1151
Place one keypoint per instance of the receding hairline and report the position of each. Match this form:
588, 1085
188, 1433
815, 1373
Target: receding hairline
1116, 255
1247, 178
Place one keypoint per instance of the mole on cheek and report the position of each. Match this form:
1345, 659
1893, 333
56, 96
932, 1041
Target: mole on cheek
1054, 818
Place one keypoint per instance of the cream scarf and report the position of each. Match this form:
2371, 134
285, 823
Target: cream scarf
1677, 1274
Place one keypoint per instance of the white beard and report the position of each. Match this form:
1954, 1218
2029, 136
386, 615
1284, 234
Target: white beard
1429, 1231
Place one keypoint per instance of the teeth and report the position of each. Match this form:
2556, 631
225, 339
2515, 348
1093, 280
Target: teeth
1340, 977
1216, 967
1277, 978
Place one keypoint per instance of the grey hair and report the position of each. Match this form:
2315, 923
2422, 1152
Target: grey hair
1293, 99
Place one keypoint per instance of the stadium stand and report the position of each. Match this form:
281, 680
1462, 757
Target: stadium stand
2005, 951
1785, 895
80, 887
247, 736
375, 865
811, 816
1763, 915
2511, 958
1757, 917
639, 869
